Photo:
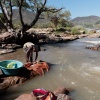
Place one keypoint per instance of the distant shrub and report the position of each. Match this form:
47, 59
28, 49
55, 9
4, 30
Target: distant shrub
17, 25
98, 26
43, 25
98, 22
68, 29
61, 30
76, 30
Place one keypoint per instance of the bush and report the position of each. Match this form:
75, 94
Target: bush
76, 30
43, 25
17, 25
61, 30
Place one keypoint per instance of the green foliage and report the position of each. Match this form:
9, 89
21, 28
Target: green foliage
88, 25
1, 15
17, 25
64, 18
59, 19
68, 29
27, 4
61, 30
55, 21
38, 7
76, 30
44, 25
98, 26
98, 22
62, 22
65, 15
78, 27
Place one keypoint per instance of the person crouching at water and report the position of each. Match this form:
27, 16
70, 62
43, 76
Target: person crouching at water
29, 48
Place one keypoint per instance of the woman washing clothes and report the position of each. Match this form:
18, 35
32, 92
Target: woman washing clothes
29, 48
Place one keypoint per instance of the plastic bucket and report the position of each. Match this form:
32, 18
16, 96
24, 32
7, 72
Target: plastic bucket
11, 71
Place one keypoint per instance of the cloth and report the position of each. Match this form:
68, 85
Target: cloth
12, 65
44, 94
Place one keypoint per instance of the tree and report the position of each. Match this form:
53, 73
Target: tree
53, 17
64, 18
59, 17
36, 6
55, 21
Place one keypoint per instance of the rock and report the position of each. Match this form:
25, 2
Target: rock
26, 97
62, 90
63, 97
11, 80
60, 95
7, 38
17, 38
41, 30
10, 46
5, 51
93, 47
82, 32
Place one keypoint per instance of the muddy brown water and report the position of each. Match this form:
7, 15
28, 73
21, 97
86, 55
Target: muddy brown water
72, 66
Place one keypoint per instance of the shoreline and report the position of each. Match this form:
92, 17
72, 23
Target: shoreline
53, 39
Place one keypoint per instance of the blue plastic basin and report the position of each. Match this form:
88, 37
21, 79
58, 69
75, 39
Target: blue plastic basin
10, 71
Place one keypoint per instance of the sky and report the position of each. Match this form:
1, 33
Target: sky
78, 8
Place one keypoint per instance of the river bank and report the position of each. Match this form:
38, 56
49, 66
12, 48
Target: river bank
45, 38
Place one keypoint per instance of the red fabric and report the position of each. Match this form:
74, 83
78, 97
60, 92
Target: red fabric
40, 92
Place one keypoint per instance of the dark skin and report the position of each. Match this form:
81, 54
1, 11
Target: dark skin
29, 54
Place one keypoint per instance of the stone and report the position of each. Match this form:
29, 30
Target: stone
63, 97
26, 97
62, 90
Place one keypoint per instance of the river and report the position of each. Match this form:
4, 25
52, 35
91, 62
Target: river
72, 66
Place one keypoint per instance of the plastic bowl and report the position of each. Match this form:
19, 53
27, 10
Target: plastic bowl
10, 71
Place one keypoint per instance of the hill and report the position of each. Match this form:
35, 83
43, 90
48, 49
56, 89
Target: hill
28, 16
88, 20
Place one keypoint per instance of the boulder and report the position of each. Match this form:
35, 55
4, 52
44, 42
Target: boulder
63, 97
7, 38
6, 82
26, 97
17, 38
93, 47
61, 90
62, 93
59, 93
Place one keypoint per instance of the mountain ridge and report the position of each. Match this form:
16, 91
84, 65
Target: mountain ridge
29, 16
85, 20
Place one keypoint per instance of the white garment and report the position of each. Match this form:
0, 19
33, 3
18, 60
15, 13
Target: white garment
28, 45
